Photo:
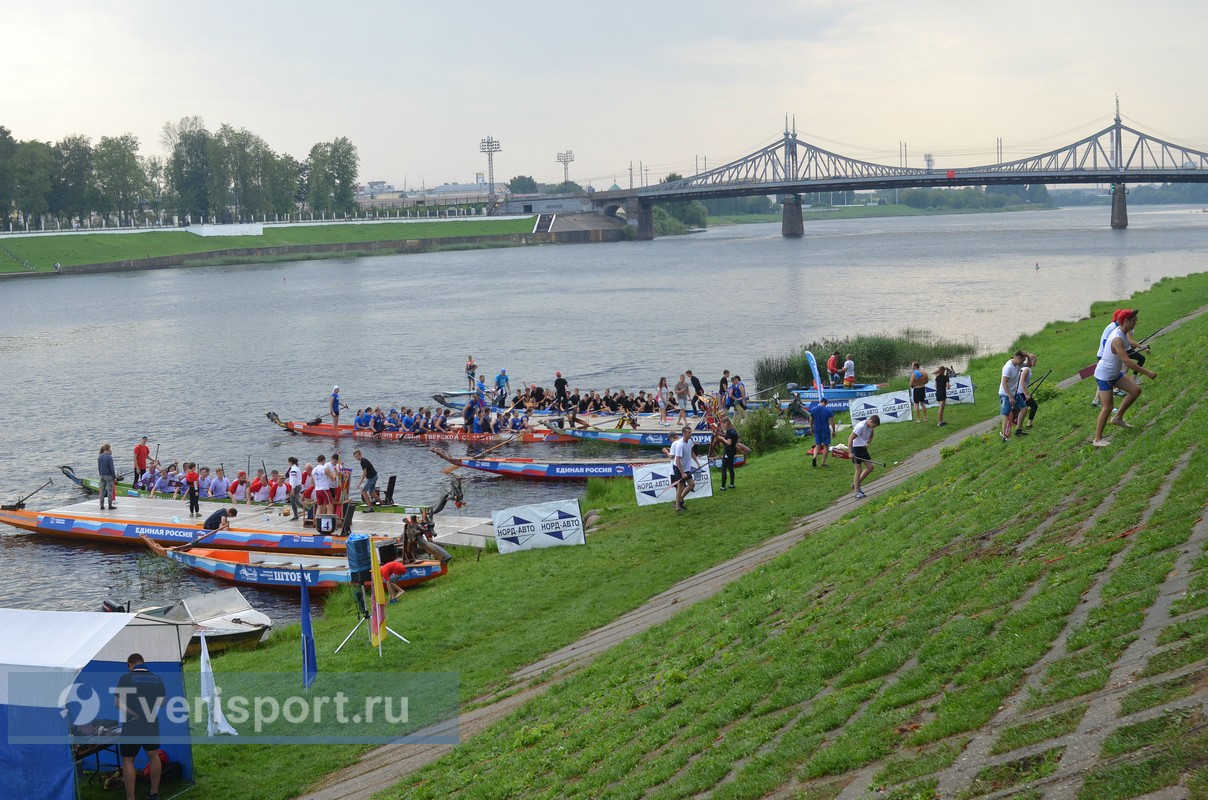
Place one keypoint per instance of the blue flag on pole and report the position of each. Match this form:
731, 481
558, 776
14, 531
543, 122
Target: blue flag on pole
310, 663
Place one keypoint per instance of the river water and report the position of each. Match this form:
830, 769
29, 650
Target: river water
193, 358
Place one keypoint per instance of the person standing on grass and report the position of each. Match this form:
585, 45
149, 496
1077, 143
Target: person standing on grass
822, 419
139, 698
1025, 377
1111, 375
729, 452
858, 442
942, 374
918, 392
1008, 394
682, 466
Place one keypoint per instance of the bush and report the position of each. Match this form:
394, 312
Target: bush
878, 357
762, 432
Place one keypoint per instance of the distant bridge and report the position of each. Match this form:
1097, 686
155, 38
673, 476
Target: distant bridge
1117, 155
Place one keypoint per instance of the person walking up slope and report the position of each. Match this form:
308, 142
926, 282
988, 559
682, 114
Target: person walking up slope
858, 442
1110, 375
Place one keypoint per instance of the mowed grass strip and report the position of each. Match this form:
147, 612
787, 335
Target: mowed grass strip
101, 248
816, 633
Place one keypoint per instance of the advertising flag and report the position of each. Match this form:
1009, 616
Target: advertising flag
310, 661
216, 723
377, 615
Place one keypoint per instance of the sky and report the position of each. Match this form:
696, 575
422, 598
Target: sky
663, 85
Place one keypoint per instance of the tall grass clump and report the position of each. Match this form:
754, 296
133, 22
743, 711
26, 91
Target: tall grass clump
878, 357
763, 432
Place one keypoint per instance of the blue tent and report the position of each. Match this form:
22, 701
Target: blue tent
57, 673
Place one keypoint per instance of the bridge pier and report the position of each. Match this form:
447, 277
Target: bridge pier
1119, 207
645, 222
790, 219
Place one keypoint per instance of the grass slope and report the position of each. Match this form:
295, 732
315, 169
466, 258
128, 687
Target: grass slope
894, 638
879, 639
100, 248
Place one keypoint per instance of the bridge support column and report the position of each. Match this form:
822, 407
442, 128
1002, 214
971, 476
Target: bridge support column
1119, 207
790, 219
645, 222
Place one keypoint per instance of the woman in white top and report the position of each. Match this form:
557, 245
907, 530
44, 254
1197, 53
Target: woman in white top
1110, 375
660, 398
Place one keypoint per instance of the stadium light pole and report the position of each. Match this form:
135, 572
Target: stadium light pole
490, 146
564, 159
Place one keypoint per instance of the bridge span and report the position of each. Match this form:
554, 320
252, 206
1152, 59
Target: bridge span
1117, 155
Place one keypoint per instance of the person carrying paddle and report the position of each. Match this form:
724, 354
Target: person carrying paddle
335, 406
1111, 375
682, 468
858, 442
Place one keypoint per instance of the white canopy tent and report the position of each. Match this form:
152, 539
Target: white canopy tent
57, 670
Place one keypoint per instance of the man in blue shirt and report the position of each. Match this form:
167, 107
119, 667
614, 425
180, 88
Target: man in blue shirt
501, 388
823, 422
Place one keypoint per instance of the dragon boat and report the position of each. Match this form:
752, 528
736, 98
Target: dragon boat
123, 489
566, 469
261, 529
276, 570
316, 428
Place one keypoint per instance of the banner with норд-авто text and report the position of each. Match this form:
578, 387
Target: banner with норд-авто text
890, 407
541, 525
652, 483
960, 390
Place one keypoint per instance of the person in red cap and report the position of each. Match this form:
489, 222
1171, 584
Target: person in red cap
560, 398
1134, 348
1110, 375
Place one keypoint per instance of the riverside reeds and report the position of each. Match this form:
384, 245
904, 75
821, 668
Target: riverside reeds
878, 357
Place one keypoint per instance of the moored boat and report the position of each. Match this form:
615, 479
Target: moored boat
527, 436
225, 618
635, 437
388, 505
161, 521
275, 570
563, 469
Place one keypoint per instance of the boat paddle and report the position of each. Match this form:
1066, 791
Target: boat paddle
20, 504
1034, 385
449, 470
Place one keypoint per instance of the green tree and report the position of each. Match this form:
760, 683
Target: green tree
8, 156
120, 180
73, 192
188, 169
33, 173
320, 189
157, 184
344, 165
523, 184
566, 187
692, 213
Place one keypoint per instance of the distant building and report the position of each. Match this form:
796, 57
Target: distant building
447, 194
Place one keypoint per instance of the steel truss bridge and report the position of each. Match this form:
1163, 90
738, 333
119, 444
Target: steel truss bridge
1117, 155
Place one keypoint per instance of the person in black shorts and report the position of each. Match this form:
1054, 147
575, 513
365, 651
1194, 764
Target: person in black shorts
942, 374
139, 698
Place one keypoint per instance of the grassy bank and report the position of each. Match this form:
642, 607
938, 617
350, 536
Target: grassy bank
100, 248
889, 638
1008, 577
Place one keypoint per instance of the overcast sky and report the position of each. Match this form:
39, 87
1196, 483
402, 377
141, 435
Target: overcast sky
416, 86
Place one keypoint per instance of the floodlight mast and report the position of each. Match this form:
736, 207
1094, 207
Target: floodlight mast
565, 159
490, 146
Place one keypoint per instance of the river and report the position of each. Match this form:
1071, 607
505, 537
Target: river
193, 358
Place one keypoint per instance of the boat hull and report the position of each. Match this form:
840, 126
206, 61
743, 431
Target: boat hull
565, 471
276, 571
79, 527
531, 436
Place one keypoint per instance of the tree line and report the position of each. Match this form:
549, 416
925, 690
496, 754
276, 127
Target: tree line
227, 175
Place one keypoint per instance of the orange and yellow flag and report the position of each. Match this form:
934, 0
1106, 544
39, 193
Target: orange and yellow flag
377, 616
